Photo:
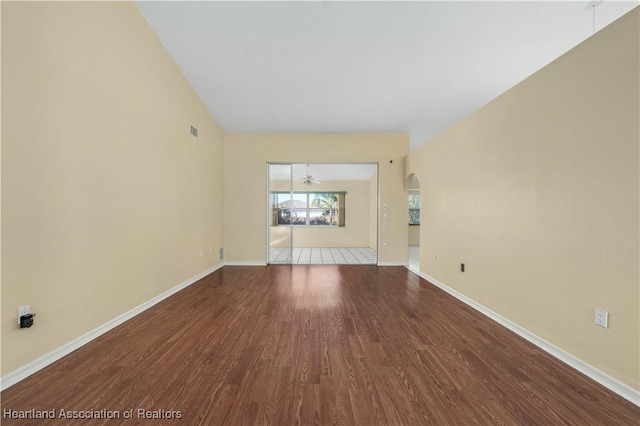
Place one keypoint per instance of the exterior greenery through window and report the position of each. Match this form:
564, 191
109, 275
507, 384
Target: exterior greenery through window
414, 208
308, 208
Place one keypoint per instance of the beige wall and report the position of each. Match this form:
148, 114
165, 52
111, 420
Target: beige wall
106, 198
246, 157
414, 235
538, 193
355, 233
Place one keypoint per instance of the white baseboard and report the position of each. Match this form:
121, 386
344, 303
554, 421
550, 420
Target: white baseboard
28, 369
611, 383
248, 263
393, 264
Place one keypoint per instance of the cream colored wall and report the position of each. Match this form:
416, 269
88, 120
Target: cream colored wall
414, 235
355, 233
538, 193
246, 156
106, 198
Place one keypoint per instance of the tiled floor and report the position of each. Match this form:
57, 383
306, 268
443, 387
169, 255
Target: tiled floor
414, 258
324, 255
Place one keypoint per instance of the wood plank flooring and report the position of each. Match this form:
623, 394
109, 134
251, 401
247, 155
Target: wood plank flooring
307, 345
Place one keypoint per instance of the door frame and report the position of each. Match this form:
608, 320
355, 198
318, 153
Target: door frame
291, 227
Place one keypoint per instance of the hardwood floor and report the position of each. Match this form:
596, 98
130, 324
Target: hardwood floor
305, 345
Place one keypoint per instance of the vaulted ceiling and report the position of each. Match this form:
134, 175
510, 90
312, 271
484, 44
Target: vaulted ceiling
371, 67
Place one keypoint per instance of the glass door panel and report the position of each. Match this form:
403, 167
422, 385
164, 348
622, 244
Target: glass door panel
308, 222
282, 213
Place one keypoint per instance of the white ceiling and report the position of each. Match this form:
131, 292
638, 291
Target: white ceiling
374, 67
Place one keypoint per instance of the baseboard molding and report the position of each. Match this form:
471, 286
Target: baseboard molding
247, 263
25, 371
627, 392
393, 264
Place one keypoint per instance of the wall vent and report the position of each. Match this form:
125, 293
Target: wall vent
194, 131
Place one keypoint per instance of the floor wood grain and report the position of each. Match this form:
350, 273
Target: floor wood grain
314, 345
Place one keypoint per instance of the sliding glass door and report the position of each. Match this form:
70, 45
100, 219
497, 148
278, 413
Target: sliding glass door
282, 214
322, 213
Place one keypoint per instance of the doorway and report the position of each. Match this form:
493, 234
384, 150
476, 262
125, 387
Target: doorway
322, 213
414, 207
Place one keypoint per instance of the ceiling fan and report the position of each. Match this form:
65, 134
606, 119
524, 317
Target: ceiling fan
308, 180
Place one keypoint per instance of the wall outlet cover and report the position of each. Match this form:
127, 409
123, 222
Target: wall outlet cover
23, 310
602, 318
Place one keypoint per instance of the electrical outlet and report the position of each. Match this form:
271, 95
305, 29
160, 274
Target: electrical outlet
384, 245
201, 252
221, 253
23, 310
602, 318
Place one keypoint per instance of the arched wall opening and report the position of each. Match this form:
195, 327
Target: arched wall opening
414, 204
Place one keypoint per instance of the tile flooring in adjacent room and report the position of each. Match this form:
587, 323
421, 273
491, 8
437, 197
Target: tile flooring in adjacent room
324, 255
414, 258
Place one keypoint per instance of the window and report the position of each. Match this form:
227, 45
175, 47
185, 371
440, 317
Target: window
414, 208
308, 208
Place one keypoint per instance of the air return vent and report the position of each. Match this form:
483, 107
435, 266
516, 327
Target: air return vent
194, 131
